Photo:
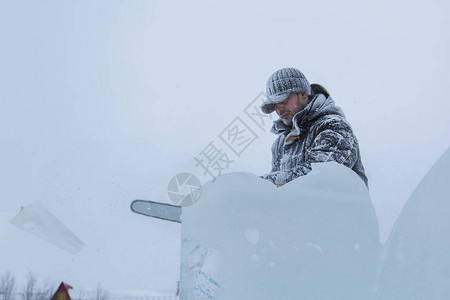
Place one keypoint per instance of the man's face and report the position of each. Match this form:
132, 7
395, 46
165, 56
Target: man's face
290, 106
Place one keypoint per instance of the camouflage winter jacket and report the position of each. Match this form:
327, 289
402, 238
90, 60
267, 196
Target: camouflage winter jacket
320, 133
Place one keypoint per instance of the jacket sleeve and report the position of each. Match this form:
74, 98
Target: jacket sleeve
330, 141
278, 177
334, 141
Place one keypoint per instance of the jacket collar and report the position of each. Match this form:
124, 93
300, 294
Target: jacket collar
317, 107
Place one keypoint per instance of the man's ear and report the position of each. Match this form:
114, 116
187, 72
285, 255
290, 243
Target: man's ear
304, 98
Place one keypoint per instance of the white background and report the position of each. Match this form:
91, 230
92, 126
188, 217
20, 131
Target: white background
102, 102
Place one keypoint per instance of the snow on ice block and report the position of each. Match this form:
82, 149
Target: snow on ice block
313, 238
416, 262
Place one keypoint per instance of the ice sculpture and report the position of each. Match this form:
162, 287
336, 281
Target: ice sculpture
314, 238
416, 260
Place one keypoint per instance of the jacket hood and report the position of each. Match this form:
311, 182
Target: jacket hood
320, 105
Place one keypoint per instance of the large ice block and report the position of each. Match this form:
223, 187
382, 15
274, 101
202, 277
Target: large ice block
313, 238
416, 261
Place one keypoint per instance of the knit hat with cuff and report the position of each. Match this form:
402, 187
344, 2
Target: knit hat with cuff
281, 84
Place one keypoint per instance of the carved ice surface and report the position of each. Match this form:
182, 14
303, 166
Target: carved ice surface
317, 238
200, 266
314, 238
416, 259
252, 236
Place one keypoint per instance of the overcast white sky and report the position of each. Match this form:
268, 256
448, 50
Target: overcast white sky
102, 102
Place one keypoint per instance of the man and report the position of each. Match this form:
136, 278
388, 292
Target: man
311, 129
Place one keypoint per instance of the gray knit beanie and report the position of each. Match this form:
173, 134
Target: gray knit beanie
281, 84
